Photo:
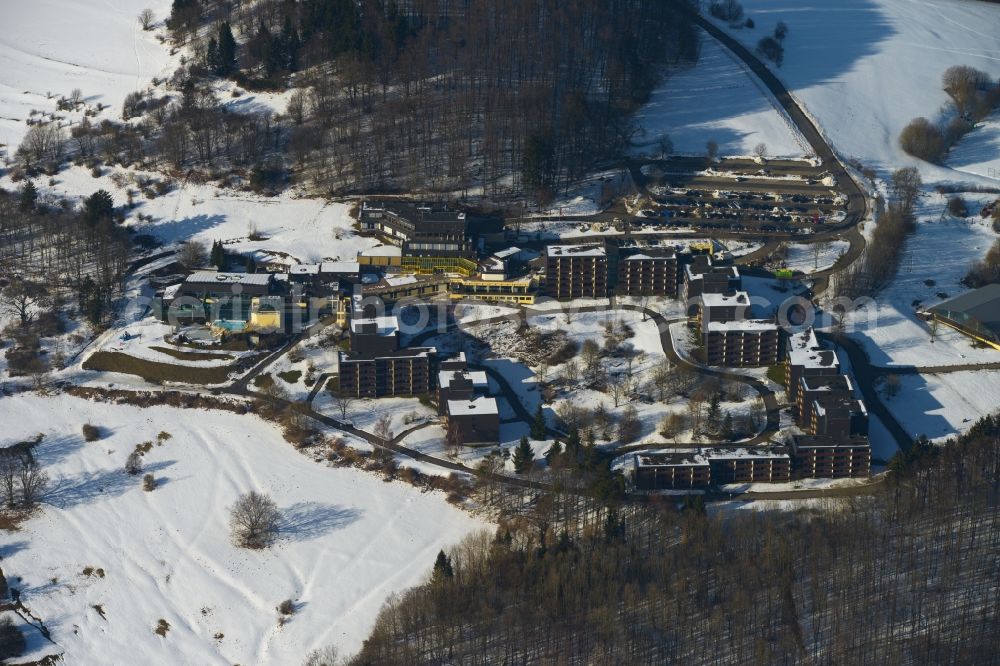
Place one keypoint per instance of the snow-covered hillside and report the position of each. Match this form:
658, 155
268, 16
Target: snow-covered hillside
865, 68
50, 47
348, 539
716, 99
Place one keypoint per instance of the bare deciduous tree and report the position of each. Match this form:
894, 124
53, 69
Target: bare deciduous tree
45, 142
342, 402
253, 520
32, 481
146, 19
383, 427
193, 254
21, 298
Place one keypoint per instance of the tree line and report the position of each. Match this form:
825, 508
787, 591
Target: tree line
907, 575
512, 95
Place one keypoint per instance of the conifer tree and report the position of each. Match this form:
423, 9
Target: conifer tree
29, 195
538, 425
442, 568
226, 50
553, 451
523, 457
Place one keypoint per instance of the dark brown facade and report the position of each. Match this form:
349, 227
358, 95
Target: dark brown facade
754, 344
576, 271
404, 373
750, 467
647, 272
819, 456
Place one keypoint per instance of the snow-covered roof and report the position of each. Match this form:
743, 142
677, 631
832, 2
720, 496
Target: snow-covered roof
732, 298
304, 269
382, 251
400, 280
743, 325
474, 407
339, 267
478, 378
385, 326
804, 350
670, 458
171, 291
509, 252
745, 453
202, 277
576, 250
827, 383
493, 264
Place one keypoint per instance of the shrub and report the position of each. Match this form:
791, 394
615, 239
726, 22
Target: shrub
148, 483
771, 49
957, 207
922, 139
91, 433
162, 627
726, 10
12, 642
286, 607
133, 464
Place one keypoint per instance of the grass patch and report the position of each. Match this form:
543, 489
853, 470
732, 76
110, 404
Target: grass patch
192, 356
291, 376
154, 371
776, 373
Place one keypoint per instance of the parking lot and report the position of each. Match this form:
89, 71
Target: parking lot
738, 195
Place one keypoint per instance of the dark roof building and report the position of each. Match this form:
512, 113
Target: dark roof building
421, 229
975, 313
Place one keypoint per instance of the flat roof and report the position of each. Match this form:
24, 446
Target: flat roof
589, 250
382, 251
827, 442
339, 267
732, 298
385, 326
827, 383
405, 352
213, 277
804, 350
476, 406
477, 377
304, 269
671, 458
509, 252
757, 325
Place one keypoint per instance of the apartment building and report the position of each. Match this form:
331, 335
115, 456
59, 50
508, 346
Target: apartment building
576, 271
646, 271
822, 456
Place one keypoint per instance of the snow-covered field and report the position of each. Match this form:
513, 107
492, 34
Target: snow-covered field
946, 404
50, 47
812, 257
941, 250
865, 68
348, 539
716, 100
305, 229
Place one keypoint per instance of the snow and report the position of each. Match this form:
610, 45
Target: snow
716, 100
348, 539
295, 230
944, 405
805, 257
865, 68
53, 46
941, 249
